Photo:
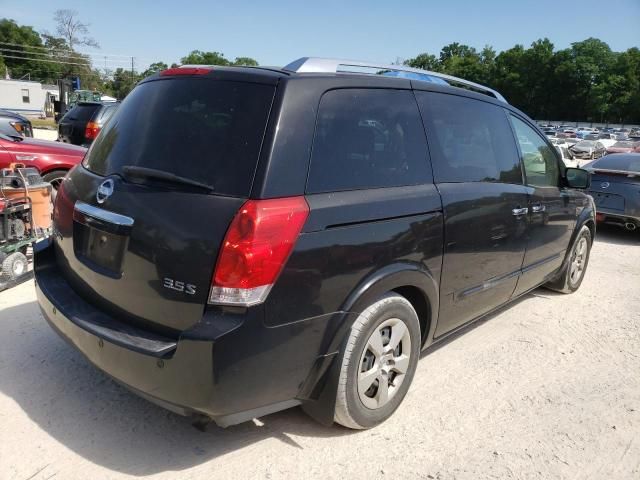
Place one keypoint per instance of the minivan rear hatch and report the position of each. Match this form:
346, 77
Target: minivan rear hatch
139, 225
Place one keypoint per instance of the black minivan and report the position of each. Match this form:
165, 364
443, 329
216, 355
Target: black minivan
242, 240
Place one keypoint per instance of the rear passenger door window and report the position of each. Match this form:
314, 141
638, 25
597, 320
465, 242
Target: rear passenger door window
368, 138
470, 140
540, 163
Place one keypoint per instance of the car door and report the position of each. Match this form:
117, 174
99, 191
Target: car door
478, 174
5, 157
551, 209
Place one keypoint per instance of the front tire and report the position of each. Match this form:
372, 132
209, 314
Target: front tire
379, 363
576, 265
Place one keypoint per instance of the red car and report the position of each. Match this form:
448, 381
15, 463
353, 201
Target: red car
52, 159
624, 146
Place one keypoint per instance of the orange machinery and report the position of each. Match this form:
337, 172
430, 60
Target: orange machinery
21, 184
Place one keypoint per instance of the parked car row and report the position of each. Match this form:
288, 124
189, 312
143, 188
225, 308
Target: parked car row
586, 144
589, 133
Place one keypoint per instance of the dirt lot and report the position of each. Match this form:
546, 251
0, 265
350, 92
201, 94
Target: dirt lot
549, 388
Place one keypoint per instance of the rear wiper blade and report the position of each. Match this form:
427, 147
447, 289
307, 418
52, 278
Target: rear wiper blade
152, 173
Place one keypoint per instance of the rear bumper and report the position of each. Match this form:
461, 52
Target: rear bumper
229, 367
605, 216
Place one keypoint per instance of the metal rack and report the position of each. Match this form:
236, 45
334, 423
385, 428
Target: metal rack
332, 65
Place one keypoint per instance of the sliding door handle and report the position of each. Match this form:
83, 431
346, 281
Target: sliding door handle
520, 211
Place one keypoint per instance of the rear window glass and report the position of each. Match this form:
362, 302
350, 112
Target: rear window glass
368, 139
202, 129
82, 112
626, 163
469, 140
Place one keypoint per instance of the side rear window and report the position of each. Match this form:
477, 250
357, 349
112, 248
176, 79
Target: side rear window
469, 140
368, 138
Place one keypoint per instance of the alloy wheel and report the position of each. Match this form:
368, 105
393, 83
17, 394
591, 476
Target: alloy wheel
578, 260
384, 363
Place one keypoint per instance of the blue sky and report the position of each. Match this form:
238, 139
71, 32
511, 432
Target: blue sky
277, 32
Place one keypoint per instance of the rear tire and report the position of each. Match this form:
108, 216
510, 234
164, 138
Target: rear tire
55, 179
14, 266
575, 267
379, 363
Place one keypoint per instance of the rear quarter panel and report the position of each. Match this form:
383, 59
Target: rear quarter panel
348, 243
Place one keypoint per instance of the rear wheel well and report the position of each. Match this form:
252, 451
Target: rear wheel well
592, 229
53, 169
420, 303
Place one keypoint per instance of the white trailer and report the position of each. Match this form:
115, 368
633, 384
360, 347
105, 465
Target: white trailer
31, 99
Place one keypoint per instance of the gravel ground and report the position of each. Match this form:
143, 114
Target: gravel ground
548, 388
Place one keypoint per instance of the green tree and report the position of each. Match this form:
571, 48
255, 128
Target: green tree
623, 84
121, 83
424, 61
455, 49
462, 61
154, 68
488, 62
198, 57
21, 50
245, 61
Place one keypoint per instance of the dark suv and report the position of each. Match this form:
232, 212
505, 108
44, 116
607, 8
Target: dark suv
83, 122
243, 240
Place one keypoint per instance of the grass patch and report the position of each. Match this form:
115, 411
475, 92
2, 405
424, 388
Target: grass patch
44, 123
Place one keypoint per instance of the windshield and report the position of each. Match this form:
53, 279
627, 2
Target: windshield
624, 144
586, 144
205, 130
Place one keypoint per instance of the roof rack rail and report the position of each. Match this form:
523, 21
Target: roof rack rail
332, 65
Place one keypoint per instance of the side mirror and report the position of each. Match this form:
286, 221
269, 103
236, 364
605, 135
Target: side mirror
578, 178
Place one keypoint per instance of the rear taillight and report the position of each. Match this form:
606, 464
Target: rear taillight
91, 131
256, 247
185, 71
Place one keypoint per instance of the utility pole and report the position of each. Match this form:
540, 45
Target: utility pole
131, 69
